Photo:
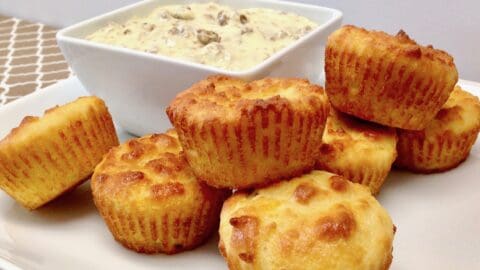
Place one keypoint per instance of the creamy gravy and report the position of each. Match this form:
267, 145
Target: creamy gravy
209, 34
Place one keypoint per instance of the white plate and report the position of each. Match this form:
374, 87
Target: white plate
437, 216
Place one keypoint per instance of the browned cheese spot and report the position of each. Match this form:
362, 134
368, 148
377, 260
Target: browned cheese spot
168, 163
304, 192
338, 183
137, 149
339, 225
130, 177
132, 155
164, 140
163, 191
155, 137
449, 114
134, 144
119, 181
246, 257
245, 230
326, 149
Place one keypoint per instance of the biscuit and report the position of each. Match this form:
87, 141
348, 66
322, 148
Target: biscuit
316, 221
390, 80
361, 151
238, 134
150, 199
47, 156
446, 141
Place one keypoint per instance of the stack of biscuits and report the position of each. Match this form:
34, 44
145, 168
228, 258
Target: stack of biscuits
394, 82
286, 170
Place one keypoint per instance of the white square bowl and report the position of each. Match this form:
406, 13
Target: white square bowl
138, 86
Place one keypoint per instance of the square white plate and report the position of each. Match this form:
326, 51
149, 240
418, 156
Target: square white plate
437, 216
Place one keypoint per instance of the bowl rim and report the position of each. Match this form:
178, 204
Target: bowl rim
64, 35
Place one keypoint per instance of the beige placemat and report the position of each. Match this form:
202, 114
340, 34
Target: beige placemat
29, 58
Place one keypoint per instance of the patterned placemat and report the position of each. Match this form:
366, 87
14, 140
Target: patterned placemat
29, 58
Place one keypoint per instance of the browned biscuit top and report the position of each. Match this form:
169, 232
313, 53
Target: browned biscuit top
150, 169
317, 221
348, 140
400, 44
31, 125
350, 129
225, 99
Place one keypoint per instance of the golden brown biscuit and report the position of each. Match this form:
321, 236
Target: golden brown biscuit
390, 80
238, 134
316, 221
45, 157
446, 141
362, 152
150, 198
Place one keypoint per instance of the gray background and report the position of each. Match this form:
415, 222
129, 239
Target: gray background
453, 26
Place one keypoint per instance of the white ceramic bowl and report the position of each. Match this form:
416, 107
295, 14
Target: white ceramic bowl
138, 86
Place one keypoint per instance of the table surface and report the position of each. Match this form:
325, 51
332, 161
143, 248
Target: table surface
29, 58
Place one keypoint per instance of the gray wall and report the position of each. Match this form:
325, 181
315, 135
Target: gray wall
453, 26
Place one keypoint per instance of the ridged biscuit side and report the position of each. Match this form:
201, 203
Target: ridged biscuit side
257, 140
446, 141
262, 147
390, 80
46, 157
150, 199
372, 177
417, 154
